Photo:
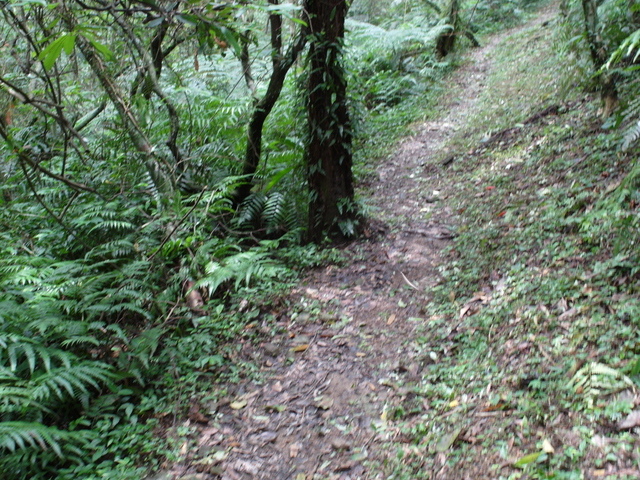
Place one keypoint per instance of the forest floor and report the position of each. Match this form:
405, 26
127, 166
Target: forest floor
346, 387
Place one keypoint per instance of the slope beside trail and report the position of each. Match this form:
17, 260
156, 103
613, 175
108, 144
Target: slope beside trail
329, 378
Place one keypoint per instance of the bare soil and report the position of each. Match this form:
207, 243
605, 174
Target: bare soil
330, 378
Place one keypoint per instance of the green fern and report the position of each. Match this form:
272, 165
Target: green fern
72, 381
631, 135
18, 351
630, 45
272, 213
241, 269
16, 436
250, 212
596, 379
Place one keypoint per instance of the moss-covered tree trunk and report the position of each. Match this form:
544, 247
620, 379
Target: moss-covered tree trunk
447, 40
599, 56
328, 153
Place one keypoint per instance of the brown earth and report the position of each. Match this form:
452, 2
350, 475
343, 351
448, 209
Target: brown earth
346, 354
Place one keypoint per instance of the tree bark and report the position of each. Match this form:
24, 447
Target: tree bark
599, 56
447, 40
328, 154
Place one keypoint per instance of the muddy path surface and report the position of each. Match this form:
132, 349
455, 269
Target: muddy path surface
347, 352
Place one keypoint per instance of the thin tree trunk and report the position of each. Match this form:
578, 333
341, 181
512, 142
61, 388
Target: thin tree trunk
599, 56
163, 182
281, 66
447, 40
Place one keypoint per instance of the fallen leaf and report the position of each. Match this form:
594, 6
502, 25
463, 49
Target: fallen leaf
340, 444
464, 310
263, 438
500, 406
195, 415
445, 442
324, 403
453, 404
275, 408
277, 387
547, 447
294, 450
391, 319
572, 312
632, 420
238, 404
527, 459
245, 466
361, 354
300, 348
345, 466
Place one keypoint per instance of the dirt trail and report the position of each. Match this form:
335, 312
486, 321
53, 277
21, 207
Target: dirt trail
346, 352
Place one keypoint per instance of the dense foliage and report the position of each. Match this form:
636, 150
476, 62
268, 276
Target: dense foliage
128, 264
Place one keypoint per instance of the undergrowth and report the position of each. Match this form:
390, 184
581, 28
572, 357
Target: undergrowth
120, 305
534, 326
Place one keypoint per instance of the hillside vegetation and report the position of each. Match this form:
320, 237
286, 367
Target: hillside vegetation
146, 323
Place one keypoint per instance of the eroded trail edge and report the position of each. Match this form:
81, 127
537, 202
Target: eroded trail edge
347, 353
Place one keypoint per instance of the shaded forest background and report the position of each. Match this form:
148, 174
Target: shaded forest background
170, 168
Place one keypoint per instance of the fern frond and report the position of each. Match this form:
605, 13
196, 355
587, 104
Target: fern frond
596, 379
631, 135
626, 48
23, 435
120, 248
18, 399
71, 381
80, 340
241, 268
250, 212
16, 350
274, 209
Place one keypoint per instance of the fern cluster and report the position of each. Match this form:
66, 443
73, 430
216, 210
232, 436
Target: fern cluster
44, 382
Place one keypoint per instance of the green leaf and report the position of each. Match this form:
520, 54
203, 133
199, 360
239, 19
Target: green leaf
51, 52
230, 37
527, 459
188, 19
155, 22
102, 49
447, 440
24, 3
277, 177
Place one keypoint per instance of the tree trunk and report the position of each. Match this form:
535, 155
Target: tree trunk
328, 154
281, 63
599, 56
447, 40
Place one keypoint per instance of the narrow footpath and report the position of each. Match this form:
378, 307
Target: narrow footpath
346, 354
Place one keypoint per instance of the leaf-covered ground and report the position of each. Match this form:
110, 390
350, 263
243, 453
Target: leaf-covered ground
486, 327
